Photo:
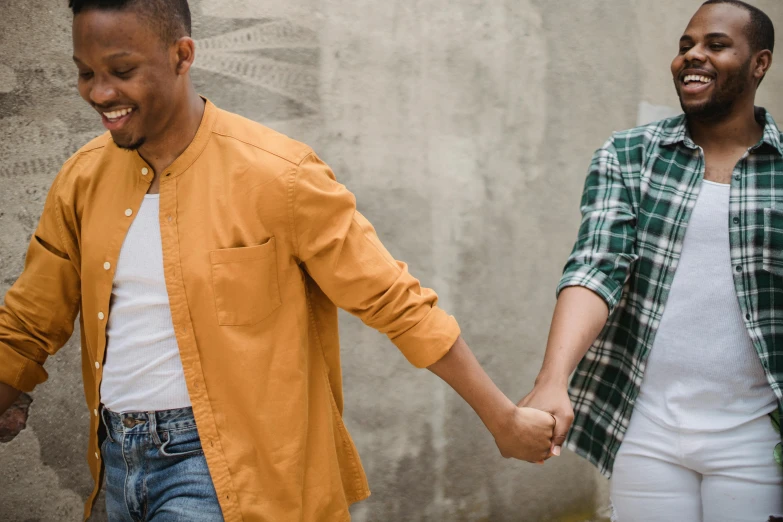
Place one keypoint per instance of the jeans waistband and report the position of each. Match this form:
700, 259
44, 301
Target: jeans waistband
149, 421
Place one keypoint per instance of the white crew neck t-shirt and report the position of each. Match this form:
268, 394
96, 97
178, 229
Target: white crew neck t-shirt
143, 370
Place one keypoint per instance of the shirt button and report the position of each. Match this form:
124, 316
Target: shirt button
106, 265
101, 316
145, 171
128, 212
97, 365
96, 455
739, 269
738, 177
95, 412
736, 220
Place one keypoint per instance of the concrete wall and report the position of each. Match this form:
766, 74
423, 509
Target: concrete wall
464, 127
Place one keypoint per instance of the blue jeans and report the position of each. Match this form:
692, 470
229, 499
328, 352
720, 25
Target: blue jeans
155, 468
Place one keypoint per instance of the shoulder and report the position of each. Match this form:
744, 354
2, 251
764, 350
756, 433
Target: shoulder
80, 167
256, 141
631, 147
652, 134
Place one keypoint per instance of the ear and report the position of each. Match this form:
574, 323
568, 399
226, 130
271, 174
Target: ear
184, 54
761, 64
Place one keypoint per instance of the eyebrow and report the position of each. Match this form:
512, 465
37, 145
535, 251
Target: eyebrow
717, 35
120, 54
710, 36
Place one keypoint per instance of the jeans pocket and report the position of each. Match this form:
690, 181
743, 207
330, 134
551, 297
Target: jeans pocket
180, 443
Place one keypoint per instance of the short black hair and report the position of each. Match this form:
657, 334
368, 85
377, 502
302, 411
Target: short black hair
170, 17
761, 31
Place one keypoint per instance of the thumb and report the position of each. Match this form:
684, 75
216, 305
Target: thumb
558, 439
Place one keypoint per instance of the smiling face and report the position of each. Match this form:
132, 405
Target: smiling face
713, 70
127, 73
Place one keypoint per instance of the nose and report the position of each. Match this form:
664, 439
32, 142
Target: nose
102, 92
695, 54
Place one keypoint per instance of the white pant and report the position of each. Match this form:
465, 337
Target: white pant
666, 475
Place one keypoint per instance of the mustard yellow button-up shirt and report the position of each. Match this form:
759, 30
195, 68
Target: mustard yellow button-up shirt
260, 246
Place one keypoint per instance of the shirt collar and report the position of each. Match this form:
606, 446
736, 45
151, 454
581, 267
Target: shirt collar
675, 130
188, 156
771, 131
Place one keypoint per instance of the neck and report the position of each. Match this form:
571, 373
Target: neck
737, 129
181, 128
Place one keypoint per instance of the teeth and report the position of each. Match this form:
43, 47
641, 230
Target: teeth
117, 114
696, 78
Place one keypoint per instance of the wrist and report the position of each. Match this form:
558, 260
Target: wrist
498, 417
552, 379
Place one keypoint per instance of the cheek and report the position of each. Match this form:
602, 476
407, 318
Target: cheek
84, 90
676, 65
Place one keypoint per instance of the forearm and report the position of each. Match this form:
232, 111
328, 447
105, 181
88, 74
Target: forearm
580, 315
8, 396
460, 369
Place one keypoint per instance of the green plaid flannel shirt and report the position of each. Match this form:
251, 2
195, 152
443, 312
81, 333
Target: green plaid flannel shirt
638, 197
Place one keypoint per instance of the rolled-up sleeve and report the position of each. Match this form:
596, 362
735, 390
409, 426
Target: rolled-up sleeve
37, 317
605, 248
342, 253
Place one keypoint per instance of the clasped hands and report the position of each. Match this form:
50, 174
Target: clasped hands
536, 428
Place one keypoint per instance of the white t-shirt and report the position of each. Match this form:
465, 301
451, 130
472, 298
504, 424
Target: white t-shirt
703, 372
143, 370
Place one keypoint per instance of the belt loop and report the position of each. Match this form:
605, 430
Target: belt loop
153, 427
106, 424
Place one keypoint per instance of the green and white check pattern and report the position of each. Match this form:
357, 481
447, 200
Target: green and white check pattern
638, 197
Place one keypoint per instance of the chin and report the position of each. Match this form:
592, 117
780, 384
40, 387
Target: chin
128, 144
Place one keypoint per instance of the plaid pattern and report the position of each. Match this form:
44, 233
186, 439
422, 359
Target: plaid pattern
638, 197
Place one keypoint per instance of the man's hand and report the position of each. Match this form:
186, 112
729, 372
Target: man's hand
7, 396
526, 435
552, 398
520, 433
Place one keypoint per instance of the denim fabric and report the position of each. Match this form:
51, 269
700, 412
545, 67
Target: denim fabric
155, 468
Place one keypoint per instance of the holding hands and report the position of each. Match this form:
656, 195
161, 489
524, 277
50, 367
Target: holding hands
552, 397
526, 435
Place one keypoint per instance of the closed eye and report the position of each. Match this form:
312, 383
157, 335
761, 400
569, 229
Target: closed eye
124, 73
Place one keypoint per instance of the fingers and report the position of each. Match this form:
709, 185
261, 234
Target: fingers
562, 425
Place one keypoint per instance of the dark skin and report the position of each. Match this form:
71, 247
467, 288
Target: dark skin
123, 64
714, 45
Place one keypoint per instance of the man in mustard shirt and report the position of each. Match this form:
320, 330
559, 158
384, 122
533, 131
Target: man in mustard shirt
206, 256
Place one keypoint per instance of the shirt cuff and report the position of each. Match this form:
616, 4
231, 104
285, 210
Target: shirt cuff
18, 371
431, 338
593, 279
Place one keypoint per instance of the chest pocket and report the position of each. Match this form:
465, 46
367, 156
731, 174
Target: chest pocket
244, 281
773, 241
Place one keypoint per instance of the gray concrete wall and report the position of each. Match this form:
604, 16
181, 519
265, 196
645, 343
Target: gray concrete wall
464, 127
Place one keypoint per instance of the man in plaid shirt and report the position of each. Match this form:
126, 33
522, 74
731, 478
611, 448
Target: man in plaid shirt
670, 309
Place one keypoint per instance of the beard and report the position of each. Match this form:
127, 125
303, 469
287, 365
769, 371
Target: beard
133, 145
723, 98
